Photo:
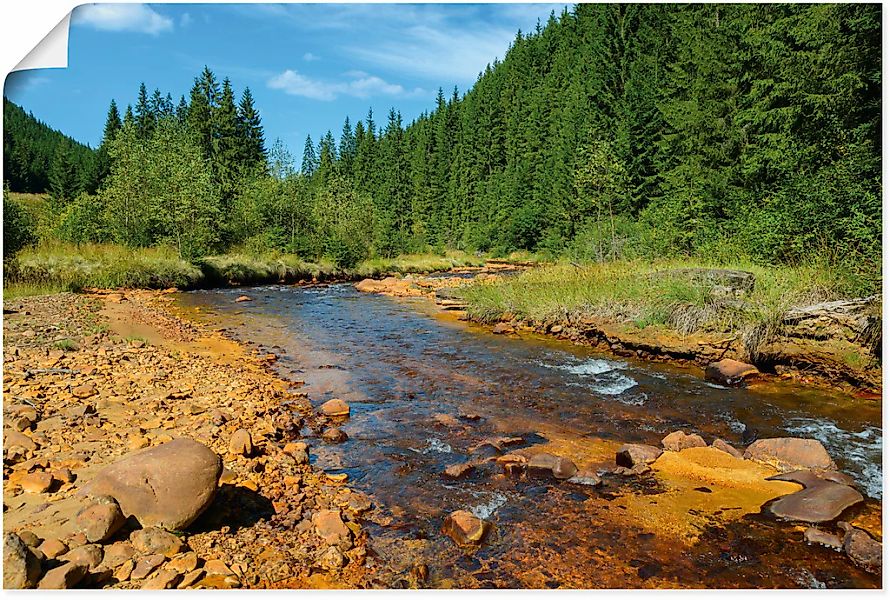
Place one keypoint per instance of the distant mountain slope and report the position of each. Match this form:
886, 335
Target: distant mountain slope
30, 147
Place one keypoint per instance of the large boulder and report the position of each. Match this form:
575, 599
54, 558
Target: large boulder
166, 486
819, 503
790, 454
729, 372
633, 455
21, 567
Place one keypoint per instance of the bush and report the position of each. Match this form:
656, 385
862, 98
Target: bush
18, 227
83, 221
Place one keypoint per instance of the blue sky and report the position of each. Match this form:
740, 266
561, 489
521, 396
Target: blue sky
308, 66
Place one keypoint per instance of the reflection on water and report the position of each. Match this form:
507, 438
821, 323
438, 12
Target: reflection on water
399, 362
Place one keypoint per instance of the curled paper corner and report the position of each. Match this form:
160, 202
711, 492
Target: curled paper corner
51, 52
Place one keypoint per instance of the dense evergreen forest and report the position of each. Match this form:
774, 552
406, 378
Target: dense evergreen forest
36, 157
611, 131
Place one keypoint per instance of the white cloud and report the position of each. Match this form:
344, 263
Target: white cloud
309, 57
439, 54
358, 84
185, 20
138, 18
442, 43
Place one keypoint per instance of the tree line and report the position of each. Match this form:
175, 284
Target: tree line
609, 131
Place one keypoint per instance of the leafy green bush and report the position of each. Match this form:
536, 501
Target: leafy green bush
18, 227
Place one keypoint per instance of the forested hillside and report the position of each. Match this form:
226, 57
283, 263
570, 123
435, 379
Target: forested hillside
648, 128
611, 131
37, 158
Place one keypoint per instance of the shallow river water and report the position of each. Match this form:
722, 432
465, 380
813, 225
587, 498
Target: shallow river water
399, 362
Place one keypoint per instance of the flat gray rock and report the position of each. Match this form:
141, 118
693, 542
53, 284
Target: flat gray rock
819, 503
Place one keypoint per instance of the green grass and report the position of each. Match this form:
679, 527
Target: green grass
73, 268
252, 269
53, 267
66, 344
628, 292
24, 289
415, 263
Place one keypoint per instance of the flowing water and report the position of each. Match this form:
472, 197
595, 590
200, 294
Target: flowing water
399, 362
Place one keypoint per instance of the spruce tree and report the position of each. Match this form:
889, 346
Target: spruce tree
145, 116
253, 145
310, 158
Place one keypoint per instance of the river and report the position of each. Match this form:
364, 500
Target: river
401, 362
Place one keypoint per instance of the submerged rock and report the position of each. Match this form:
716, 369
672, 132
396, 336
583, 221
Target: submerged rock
334, 408
549, 464
458, 471
512, 463
729, 372
680, 440
865, 552
823, 501
790, 454
633, 455
465, 528
586, 477
816, 536
334, 435
166, 486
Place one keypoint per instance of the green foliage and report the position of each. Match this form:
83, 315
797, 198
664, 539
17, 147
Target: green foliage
30, 149
159, 191
83, 221
611, 132
18, 226
344, 223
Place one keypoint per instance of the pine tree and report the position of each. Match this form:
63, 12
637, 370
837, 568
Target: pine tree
253, 145
64, 182
347, 149
145, 116
228, 146
310, 159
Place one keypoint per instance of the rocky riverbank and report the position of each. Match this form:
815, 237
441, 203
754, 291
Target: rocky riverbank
115, 379
142, 450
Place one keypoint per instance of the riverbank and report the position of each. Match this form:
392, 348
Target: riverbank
793, 322
57, 267
92, 379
